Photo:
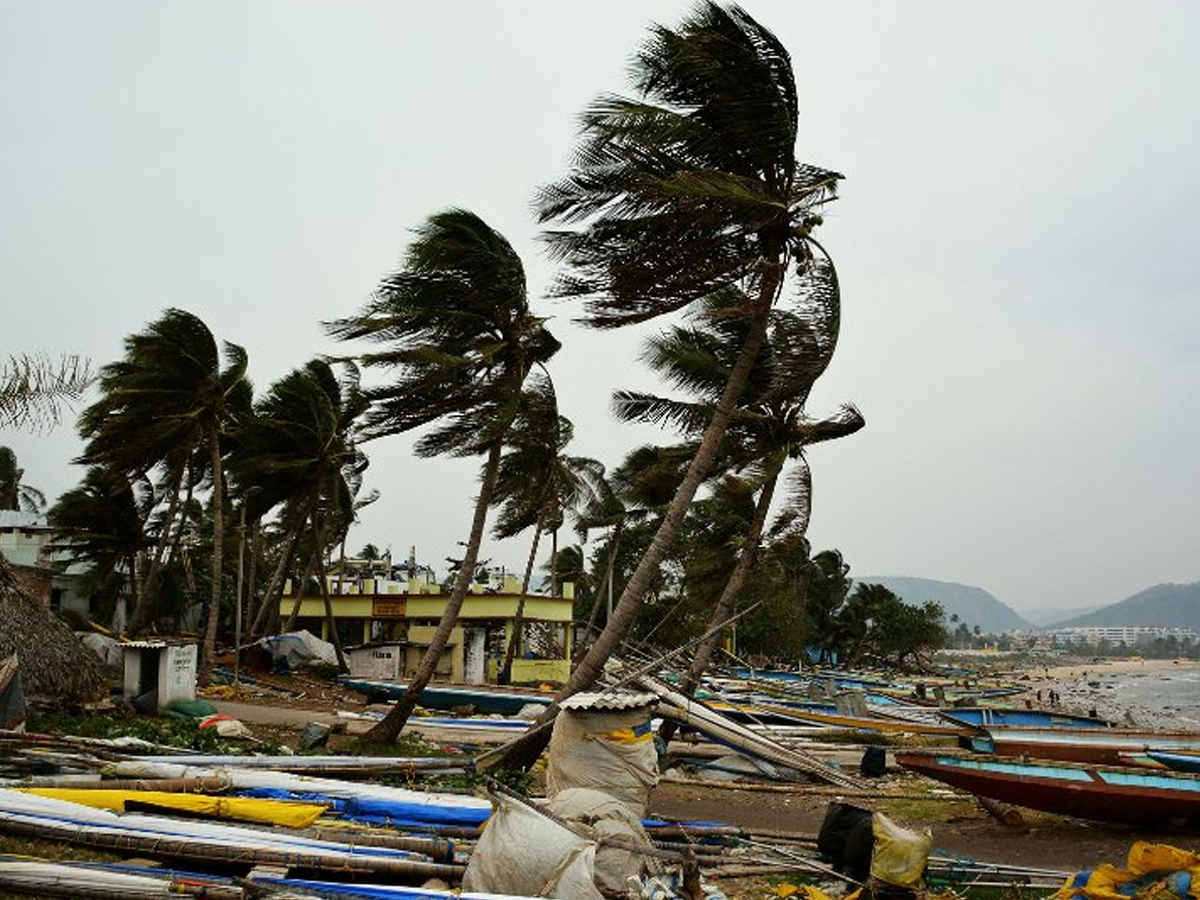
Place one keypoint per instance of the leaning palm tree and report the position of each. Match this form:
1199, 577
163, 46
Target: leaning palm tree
298, 447
14, 492
688, 187
461, 341
769, 430
170, 396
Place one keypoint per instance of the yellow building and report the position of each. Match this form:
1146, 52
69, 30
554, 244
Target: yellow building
376, 609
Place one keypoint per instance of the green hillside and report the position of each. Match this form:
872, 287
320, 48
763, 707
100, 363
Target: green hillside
973, 605
1171, 605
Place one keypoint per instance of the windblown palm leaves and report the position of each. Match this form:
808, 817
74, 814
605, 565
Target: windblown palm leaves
34, 389
459, 341
299, 449
693, 184
101, 523
688, 187
168, 397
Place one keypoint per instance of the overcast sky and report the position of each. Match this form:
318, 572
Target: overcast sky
1016, 239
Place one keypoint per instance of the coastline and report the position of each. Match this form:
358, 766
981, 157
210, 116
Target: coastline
1160, 694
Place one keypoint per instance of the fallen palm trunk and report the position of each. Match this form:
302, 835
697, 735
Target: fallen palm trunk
719, 728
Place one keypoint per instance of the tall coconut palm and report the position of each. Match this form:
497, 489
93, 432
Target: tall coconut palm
15, 493
689, 186
170, 392
537, 485
299, 447
771, 426
460, 339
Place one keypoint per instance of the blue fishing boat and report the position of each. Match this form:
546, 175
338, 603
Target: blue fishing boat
1177, 760
989, 716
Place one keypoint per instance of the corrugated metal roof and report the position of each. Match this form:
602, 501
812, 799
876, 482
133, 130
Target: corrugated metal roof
608, 700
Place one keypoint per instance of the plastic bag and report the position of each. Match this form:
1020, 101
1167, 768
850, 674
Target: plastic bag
899, 855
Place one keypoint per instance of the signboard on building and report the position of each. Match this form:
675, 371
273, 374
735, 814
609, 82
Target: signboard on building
387, 608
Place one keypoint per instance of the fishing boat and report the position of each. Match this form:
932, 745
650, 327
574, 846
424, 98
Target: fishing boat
506, 702
1103, 793
1102, 746
1178, 760
989, 716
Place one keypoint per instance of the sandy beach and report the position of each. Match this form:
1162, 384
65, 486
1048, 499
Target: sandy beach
1151, 693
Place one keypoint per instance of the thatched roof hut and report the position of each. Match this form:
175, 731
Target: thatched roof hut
54, 662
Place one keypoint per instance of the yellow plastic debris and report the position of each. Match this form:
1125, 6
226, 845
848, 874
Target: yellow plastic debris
288, 813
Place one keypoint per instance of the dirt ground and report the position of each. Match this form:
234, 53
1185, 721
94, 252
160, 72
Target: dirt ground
960, 828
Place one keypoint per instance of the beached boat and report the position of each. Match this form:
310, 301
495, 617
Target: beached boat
1103, 793
506, 701
1178, 760
1102, 746
989, 716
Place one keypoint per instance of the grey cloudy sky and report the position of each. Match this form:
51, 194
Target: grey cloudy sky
1015, 240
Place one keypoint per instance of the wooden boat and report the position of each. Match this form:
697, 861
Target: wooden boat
506, 701
1101, 746
989, 716
1103, 793
1178, 760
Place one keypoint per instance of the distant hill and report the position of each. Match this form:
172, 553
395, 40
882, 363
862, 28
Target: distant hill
973, 605
1171, 605
1044, 616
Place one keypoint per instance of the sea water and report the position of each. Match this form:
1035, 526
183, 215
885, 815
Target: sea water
1159, 698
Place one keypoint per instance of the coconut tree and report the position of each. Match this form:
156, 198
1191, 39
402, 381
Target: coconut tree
100, 522
538, 483
299, 447
687, 187
770, 428
460, 341
168, 397
14, 493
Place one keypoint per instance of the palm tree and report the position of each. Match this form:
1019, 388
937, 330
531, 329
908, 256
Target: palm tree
101, 523
461, 340
689, 187
167, 398
15, 494
299, 447
538, 482
769, 429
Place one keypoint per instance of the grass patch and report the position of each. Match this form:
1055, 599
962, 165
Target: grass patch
167, 730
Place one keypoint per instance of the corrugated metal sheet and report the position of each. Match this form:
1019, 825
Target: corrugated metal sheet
608, 700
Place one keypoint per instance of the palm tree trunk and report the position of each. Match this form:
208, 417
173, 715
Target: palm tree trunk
334, 637
725, 603
605, 584
160, 549
525, 751
214, 601
309, 570
389, 729
252, 573
504, 676
263, 617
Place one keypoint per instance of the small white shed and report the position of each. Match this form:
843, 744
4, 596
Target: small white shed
166, 667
